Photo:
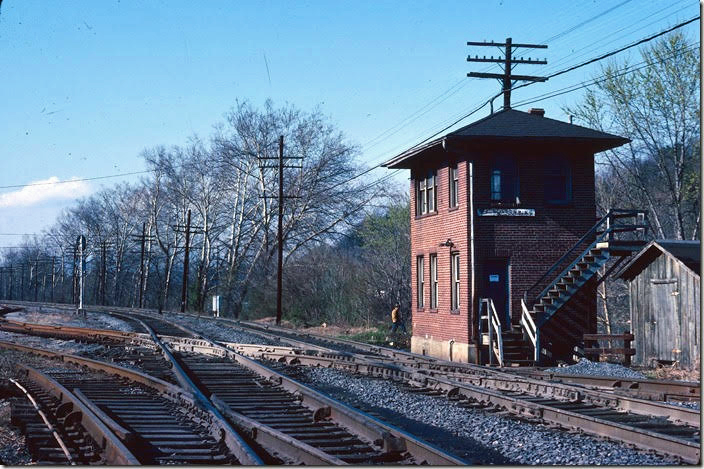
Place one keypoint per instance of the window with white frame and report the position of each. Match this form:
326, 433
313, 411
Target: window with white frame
421, 286
426, 194
433, 281
455, 279
454, 186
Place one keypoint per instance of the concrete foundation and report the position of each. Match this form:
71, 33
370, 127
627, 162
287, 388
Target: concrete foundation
444, 349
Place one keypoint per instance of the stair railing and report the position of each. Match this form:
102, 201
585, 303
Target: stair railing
609, 228
494, 333
531, 331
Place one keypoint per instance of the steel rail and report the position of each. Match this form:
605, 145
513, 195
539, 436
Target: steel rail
461, 372
115, 452
175, 394
261, 433
491, 379
515, 402
508, 391
660, 390
391, 438
640, 388
689, 452
46, 421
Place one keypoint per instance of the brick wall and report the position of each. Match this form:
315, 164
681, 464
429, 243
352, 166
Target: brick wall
531, 244
427, 232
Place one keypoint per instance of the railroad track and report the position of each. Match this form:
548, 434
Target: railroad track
646, 424
134, 418
660, 390
290, 422
652, 425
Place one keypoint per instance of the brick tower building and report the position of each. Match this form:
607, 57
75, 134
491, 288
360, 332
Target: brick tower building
494, 206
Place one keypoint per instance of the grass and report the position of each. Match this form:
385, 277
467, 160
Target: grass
381, 336
674, 372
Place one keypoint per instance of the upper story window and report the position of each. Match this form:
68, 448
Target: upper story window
426, 194
504, 181
558, 180
454, 185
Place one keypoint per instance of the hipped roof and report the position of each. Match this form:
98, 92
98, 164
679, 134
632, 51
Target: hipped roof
512, 126
687, 252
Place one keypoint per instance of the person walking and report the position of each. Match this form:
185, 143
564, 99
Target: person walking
396, 319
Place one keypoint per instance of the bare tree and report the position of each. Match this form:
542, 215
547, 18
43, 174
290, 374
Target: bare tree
656, 105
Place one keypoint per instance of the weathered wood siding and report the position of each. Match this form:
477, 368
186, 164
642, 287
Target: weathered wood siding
665, 312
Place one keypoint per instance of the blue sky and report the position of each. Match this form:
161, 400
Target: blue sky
87, 85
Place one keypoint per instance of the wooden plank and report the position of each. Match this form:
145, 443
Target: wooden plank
610, 351
608, 337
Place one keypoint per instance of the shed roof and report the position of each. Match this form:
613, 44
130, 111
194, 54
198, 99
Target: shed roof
510, 125
687, 252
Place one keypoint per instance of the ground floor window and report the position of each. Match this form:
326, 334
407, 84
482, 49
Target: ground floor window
433, 281
455, 279
421, 286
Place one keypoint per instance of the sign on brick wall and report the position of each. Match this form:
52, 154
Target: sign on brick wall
506, 212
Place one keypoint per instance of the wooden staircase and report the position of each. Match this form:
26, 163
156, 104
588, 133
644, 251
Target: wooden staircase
563, 310
517, 352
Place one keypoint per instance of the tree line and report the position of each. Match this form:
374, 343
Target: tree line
229, 185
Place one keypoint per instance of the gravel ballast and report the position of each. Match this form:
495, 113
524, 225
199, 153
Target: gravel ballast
479, 436
218, 330
64, 318
587, 367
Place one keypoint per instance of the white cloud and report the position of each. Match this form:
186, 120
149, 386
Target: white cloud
44, 190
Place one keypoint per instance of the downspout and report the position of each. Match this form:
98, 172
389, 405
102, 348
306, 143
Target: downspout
474, 335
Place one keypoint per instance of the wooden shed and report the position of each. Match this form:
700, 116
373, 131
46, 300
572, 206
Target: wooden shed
665, 305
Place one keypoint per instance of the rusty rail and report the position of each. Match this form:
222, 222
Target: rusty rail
114, 451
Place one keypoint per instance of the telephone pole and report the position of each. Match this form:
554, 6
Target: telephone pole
184, 285
508, 79
189, 231
103, 271
280, 234
280, 228
142, 239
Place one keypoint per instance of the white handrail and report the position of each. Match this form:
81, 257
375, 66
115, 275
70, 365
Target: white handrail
531, 330
495, 325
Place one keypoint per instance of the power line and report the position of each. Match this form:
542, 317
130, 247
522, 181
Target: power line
437, 101
609, 54
585, 22
586, 84
558, 63
16, 186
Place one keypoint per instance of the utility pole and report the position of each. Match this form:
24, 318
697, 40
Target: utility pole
280, 234
184, 284
53, 277
22, 282
189, 231
141, 267
142, 280
507, 78
103, 271
74, 277
12, 280
280, 227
